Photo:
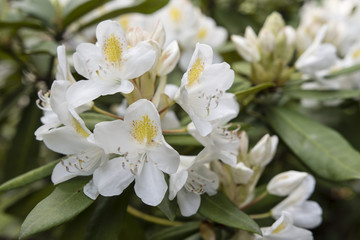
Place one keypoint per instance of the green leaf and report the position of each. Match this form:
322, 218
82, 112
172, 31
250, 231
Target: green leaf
323, 94
22, 156
64, 203
140, 6
168, 207
177, 232
48, 47
245, 96
33, 24
181, 139
91, 119
324, 150
108, 216
29, 177
42, 10
220, 209
80, 9
242, 68
344, 71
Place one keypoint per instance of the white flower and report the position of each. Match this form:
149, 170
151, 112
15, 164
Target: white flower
305, 213
202, 91
283, 229
221, 143
109, 64
264, 150
247, 46
142, 154
63, 68
241, 174
168, 59
190, 181
318, 56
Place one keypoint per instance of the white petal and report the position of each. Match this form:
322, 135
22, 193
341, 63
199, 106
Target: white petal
177, 181
87, 59
285, 183
111, 178
150, 185
165, 158
65, 140
139, 60
308, 215
91, 190
188, 202
241, 174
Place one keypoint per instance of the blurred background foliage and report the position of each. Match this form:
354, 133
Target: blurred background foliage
29, 35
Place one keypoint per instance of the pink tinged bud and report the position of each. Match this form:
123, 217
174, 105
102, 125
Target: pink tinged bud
168, 59
247, 49
285, 183
158, 35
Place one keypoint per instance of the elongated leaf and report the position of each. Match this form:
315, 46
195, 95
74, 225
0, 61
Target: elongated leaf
64, 203
324, 150
177, 232
108, 217
181, 139
323, 95
344, 71
246, 95
140, 6
40, 9
29, 177
22, 24
220, 209
168, 207
80, 10
91, 119
242, 67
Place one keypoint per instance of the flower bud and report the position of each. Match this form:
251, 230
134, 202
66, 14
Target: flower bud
285, 183
136, 35
247, 49
168, 59
263, 152
267, 41
158, 35
274, 23
241, 174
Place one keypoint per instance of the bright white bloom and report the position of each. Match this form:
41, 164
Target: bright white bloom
190, 181
221, 143
318, 56
141, 154
202, 91
264, 150
109, 64
168, 59
305, 213
283, 229
63, 68
247, 46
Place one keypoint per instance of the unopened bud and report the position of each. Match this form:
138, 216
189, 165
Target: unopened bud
267, 41
274, 23
241, 174
168, 59
135, 35
247, 49
285, 183
263, 152
158, 35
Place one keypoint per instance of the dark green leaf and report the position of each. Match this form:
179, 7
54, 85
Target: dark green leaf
181, 139
323, 94
80, 9
33, 24
64, 203
245, 96
140, 6
177, 232
29, 177
48, 47
324, 150
42, 10
242, 68
344, 71
168, 207
220, 209
108, 217
25, 159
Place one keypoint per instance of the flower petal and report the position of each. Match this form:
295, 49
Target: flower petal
150, 185
165, 158
188, 202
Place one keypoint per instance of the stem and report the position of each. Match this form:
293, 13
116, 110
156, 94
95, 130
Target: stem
260, 215
159, 91
150, 218
99, 110
181, 130
167, 107
259, 198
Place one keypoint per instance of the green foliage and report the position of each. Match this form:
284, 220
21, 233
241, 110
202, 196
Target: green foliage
177, 232
321, 148
64, 203
220, 209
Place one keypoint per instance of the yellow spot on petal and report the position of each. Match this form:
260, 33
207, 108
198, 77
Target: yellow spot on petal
124, 22
356, 54
175, 14
279, 228
79, 129
144, 130
113, 49
202, 33
195, 72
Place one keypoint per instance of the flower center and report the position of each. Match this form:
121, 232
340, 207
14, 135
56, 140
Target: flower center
202, 33
113, 49
144, 130
175, 14
195, 72
79, 129
279, 228
356, 54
